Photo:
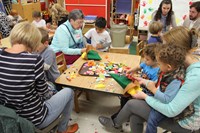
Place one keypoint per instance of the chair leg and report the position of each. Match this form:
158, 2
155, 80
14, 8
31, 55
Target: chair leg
76, 106
87, 95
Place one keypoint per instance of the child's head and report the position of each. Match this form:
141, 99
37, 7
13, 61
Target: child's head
155, 27
100, 24
14, 13
37, 16
149, 55
170, 57
44, 41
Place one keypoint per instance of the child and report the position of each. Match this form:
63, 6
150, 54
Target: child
155, 28
100, 38
170, 59
149, 66
49, 57
38, 21
149, 70
14, 16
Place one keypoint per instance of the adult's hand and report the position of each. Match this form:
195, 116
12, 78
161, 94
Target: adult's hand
140, 95
141, 80
83, 50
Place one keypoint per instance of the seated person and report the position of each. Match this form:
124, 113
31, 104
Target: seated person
149, 69
68, 37
49, 57
170, 59
5, 25
100, 38
23, 84
14, 16
155, 28
38, 21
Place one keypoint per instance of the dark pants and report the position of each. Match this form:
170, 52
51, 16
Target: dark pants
123, 101
137, 111
154, 119
70, 59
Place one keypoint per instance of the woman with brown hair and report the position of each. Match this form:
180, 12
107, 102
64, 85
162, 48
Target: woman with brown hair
165, 15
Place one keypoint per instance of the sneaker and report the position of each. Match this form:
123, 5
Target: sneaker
106, 122
72, 128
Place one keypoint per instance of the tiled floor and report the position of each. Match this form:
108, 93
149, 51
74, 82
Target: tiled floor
99, 104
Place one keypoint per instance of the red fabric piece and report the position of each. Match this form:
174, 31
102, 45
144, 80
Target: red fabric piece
70, 59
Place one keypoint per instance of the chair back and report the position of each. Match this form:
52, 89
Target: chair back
61, 63
140, 46
118, 35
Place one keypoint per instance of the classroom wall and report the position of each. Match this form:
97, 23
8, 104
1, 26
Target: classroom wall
147, 7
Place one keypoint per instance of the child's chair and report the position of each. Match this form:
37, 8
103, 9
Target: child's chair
62, 65
140, 46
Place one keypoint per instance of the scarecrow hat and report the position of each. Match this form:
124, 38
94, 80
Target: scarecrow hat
91, 53
127, 84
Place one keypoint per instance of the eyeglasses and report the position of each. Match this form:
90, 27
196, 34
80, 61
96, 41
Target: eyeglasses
79, 22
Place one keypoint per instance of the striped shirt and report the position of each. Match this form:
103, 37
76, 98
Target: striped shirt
23, 85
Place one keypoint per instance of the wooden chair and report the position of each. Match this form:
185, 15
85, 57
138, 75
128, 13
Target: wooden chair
60, 59
62, 65
140, 46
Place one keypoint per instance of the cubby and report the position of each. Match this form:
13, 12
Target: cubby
25, 10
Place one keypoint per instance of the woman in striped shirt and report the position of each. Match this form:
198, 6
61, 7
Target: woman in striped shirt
22, 82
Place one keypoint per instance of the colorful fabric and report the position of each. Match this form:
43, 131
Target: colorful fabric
93, 55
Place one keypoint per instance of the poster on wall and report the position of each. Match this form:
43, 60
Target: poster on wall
147, 7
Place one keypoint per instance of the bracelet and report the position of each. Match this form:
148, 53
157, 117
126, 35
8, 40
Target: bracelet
147, 82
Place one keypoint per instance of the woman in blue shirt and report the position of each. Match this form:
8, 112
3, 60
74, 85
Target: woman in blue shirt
68, 37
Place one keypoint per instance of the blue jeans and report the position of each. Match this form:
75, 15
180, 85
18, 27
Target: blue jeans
154, 118
61, 102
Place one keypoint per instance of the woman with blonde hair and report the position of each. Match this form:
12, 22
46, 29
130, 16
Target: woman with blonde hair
23, 85
181, 35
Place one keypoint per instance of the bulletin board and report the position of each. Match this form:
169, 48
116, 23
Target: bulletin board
147, 7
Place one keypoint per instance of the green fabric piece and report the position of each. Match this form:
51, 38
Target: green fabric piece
122, 80
93, 55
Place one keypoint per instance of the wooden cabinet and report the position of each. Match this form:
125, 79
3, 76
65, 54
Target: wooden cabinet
100, 8
25, 10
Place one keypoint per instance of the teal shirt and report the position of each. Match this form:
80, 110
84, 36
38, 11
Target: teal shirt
188, 93
63, 42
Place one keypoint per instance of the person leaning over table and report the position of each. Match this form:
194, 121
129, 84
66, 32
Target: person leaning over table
68, 37
137, 110
165, 15
23, 85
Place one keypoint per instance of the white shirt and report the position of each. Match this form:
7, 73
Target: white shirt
15, 19
41, 23
191, 24
98, 38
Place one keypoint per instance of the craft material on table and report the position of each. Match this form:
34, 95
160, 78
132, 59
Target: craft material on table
92, 68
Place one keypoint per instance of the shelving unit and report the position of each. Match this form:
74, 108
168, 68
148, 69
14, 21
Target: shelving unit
125, 8
7, 5
101, 8
25, 10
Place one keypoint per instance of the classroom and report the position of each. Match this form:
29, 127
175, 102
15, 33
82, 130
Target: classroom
99, 66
